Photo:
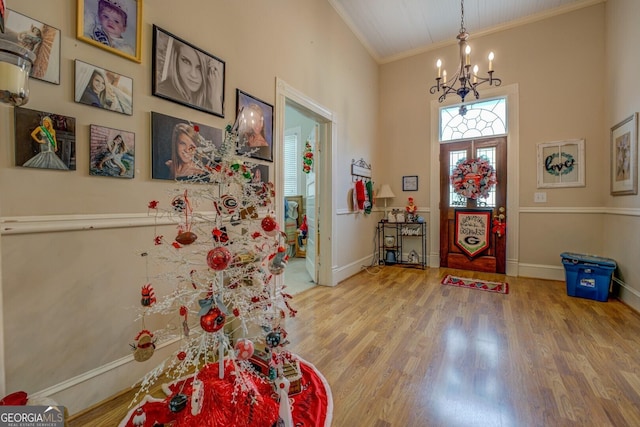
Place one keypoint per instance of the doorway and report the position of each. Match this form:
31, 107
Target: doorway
513, 196
314, 187
486, 249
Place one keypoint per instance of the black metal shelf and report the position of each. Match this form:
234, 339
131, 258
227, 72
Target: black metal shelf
394, 239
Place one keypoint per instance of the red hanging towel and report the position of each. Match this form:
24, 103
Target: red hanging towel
360, 196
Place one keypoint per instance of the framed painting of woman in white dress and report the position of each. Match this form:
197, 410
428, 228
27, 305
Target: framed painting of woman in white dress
45, 140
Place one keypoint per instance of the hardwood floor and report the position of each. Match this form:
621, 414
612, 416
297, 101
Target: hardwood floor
399, 349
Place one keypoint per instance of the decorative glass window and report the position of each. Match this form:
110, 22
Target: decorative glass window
484, 118
458, 200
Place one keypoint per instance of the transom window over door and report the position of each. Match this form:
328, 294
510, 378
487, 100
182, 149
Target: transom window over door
484, 118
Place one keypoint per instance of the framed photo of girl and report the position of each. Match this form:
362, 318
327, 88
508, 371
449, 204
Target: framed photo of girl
112, 152
175, 147
41, 39
113, 25
102, 88
45, 140
186, 74
255, 126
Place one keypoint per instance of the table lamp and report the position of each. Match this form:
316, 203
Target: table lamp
385, 193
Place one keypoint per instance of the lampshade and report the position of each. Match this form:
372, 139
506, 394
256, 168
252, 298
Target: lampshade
15, 65
385, 192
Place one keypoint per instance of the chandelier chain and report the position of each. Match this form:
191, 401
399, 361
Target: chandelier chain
462, 28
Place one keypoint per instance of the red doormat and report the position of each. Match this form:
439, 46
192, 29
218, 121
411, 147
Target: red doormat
483, 285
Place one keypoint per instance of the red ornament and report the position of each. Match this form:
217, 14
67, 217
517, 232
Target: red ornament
244, 349
269, 225
218, 258
153, 204
212, 321
182, 355
186, 238
196, 128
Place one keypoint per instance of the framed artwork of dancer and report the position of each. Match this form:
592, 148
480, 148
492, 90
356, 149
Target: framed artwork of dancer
45, 140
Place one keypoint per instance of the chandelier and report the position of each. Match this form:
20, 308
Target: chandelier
466, 79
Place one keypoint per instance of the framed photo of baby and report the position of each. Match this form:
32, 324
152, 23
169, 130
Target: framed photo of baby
112, 152
186, 74
113, 25
41, 39
255, 126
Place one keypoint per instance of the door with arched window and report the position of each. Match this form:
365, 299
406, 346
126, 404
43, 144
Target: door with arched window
473, 230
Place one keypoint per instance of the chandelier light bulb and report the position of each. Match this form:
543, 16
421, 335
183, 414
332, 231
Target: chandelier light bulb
491, 56
444, 77
467, 52
475, 73
439, 65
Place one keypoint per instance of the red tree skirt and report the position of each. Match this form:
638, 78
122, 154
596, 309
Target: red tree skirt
255, 407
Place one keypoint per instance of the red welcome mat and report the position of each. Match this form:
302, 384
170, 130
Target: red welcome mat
483, 285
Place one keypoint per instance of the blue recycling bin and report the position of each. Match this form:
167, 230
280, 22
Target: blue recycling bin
588, 276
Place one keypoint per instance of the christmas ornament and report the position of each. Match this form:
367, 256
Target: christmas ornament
219, 258
273, 339
148, 296
186, 238
229, 203
307, 158
182, 355
269, 225
244, 349
279, 261
144, 347
178, 402
213, 320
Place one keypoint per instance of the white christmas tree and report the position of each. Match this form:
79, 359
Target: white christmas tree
221, 265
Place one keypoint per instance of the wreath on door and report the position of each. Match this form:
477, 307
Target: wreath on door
473, 178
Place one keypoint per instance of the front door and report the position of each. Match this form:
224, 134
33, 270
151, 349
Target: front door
489, 257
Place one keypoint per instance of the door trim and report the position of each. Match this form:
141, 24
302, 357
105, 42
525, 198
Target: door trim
328, 164
513, 189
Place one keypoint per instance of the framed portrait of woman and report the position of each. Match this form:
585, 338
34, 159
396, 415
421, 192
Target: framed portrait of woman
187, 75
175, 144
255, 126
113, 25
45, 140
102, 88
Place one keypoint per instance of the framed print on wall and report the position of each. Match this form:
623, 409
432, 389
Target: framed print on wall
41, 39
174, 147
255, 126
113, 25
45, 140
624, 157
102, 88
186, 74
410, 183
112, 152
561, 164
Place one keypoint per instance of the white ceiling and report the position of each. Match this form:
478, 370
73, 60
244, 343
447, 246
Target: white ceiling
393, 29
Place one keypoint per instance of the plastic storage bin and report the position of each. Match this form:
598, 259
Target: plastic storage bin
588, 276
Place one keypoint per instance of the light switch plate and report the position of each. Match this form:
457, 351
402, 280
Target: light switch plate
540, 197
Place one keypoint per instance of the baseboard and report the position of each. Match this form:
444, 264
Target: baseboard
540, 271
340, 274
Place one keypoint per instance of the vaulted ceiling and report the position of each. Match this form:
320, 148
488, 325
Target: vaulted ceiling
392, 29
